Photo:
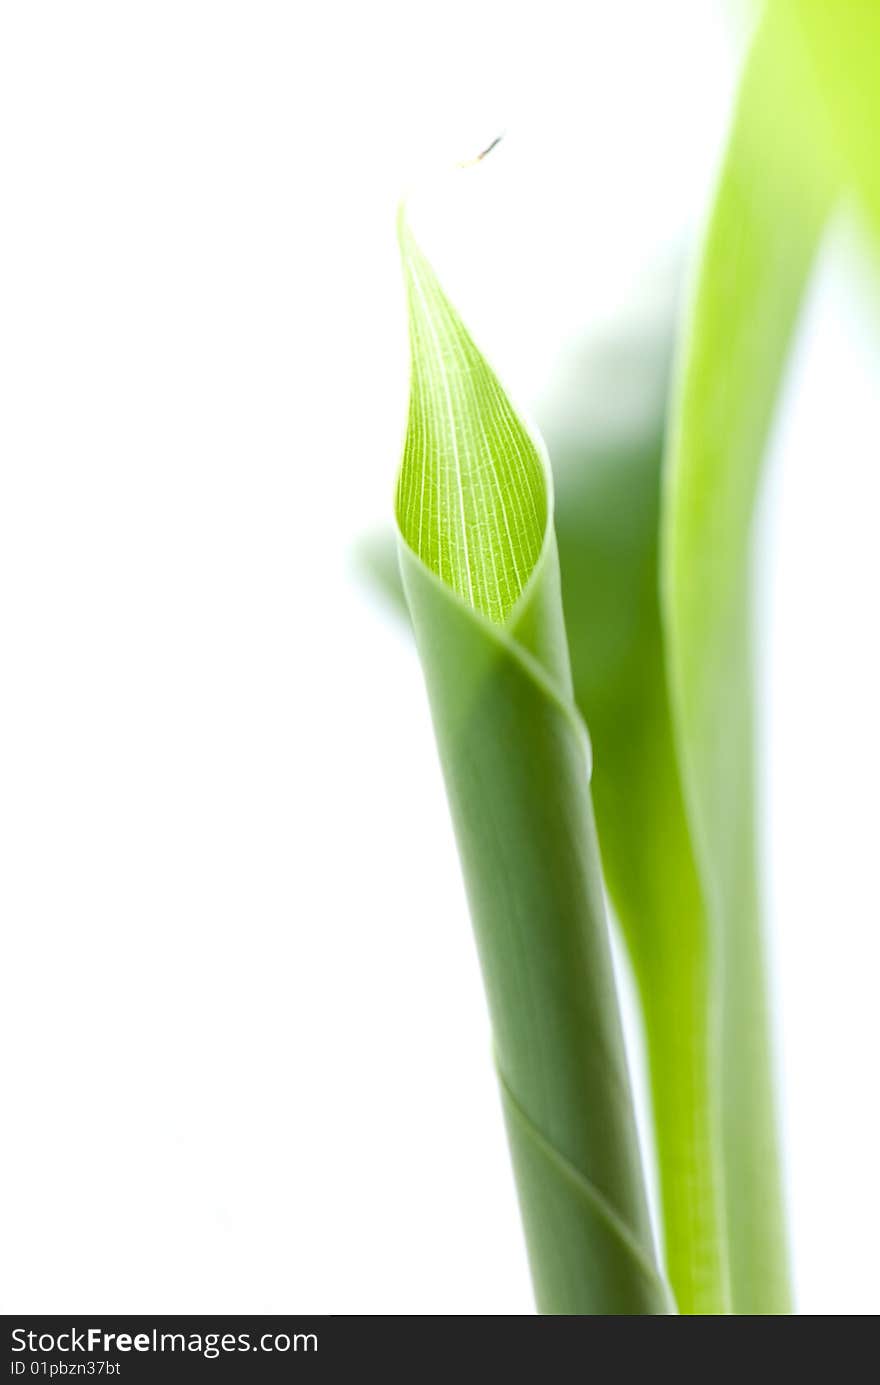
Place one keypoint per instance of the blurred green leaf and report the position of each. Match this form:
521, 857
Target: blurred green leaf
838, 44
608, 520
771, 204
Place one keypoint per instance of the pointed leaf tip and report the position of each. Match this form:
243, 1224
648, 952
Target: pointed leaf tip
472, 493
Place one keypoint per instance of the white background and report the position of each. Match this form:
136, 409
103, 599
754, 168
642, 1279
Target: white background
245, 1059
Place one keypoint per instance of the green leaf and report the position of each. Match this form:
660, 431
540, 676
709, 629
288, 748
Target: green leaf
471, 498
770, 208
480, 571
839, 46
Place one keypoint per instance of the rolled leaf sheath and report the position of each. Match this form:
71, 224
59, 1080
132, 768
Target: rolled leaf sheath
515, 756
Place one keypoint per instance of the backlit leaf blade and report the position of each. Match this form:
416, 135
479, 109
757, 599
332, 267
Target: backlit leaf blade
770, 208
838, 46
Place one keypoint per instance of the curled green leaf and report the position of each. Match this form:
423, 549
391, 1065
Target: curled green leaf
471, 495
480, 572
